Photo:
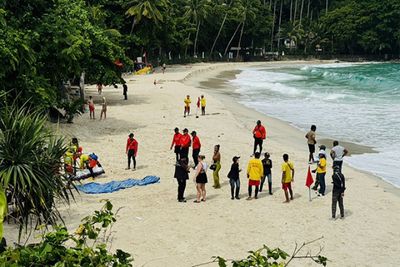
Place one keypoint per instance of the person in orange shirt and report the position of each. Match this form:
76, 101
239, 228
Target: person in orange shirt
196, 148
186, 142
131, 151
176, 141
259, 134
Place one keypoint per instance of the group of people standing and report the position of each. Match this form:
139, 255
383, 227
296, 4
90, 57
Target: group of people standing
201, 103
337, 153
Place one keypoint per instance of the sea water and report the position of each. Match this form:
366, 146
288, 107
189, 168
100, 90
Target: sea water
359, 103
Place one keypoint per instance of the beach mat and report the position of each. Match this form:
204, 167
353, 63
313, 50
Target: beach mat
97, 188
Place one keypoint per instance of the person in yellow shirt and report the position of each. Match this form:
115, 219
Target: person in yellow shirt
187, 102
321, 172
287, 177
203, 103
255, 171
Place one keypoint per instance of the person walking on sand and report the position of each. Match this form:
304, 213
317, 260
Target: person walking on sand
176, 141
196, 145
187, 102
185, 142
103, 109
99, 88
339, 186
91, 108
259, 134
131, 150
125, 91
200, 179
321, 172
287, 177
203, 103
217, 166
181, 175
255, 172
337, 154
234, 180
311, 141
164, 67
267, 166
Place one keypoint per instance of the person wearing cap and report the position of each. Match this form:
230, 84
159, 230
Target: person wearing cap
196, 147
322, 150
267, 166
234, 180
176, 141
339, 186
217, 166
259, 134
311, 141
131, 150
287, 177
181, 175
185, 142
187, 102
255, 172
337, 154
89, 162
321, 172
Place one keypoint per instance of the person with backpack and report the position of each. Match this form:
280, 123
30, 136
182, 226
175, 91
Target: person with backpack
339, 186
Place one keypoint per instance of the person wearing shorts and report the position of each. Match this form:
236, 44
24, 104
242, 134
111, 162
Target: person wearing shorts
255, 172
287, 177
91, 107
187, 102
311, 141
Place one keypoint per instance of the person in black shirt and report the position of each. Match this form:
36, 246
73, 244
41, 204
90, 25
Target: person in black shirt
125, 91
267, 165
181, 175
339, 186
234, 180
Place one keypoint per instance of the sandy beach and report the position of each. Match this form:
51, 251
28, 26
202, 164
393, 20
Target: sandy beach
159, 231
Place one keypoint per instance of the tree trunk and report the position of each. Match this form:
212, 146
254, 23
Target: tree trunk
195, 39
326, 6
187, 45
279, 25
295, 11
291, 7
133, 25
240, 40
301, 11
230, 41
219, 32
308, 8
273, 27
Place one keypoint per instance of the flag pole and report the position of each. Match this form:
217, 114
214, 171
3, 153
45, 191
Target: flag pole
309, 193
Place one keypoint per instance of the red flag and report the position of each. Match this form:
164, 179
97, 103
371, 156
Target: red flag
309, 179
198, 102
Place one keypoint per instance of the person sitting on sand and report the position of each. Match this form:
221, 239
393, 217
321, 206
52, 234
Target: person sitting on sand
91, 107
259, 134
195, 147
234, 180
187, 102
103, 109
337, 154
176, 141
255, 172
131, 150
185, 142
287, 177
339, 186
200, 179
217, 166
181, 175
267, 166
203, 105
311, 141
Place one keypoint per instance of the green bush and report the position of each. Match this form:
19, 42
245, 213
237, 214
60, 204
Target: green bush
86, 247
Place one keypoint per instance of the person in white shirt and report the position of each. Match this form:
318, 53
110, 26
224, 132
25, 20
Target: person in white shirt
337, 154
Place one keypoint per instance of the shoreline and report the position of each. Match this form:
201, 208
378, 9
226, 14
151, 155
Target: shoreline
220, 81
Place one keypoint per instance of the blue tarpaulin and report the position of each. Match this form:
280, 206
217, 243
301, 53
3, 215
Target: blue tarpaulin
96, 188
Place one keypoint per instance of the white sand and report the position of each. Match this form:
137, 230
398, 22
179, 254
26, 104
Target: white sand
159, 231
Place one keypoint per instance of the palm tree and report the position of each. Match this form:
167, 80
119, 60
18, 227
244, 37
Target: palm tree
149, 9
248, 11
197, 10
226, 4
30, 167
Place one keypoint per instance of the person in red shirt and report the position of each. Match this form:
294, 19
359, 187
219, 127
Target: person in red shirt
185, 144
131, 150
196, 148
176, 141
259, 134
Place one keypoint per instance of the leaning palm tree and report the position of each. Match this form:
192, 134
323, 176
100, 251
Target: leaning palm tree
30, 167
149, 9
226, 4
